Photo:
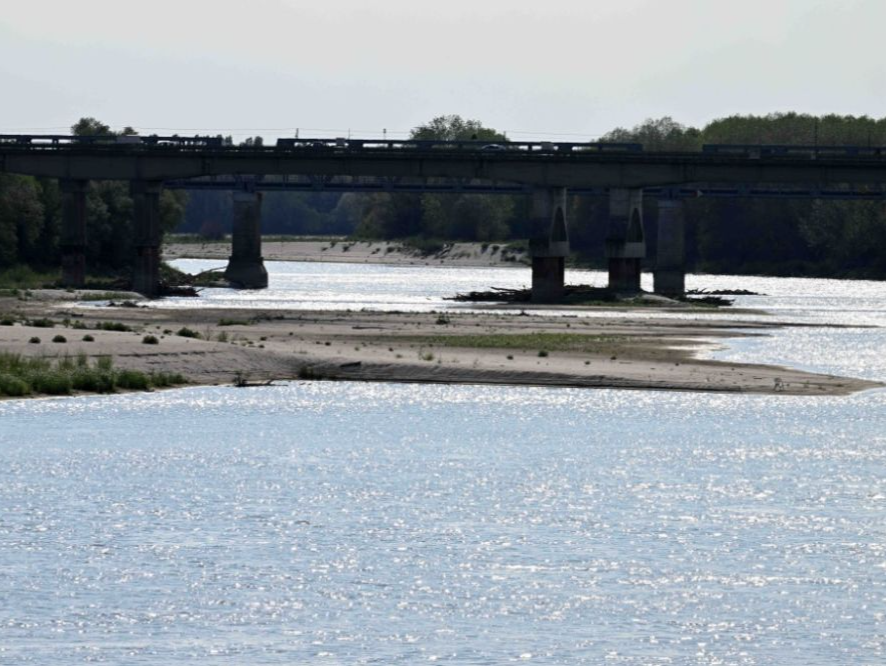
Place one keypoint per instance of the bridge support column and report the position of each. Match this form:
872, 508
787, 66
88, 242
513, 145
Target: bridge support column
73, 236
549, 245
246, 268
625, 240
670, 264
146, 236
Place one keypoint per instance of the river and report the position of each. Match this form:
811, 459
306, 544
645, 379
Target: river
347, 523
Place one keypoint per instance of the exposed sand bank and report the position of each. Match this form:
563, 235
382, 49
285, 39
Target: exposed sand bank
615, 351
356, 252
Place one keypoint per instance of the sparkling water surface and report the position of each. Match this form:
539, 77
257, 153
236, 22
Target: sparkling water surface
347, 523
340, 286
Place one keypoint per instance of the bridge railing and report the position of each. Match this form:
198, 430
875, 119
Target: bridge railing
339, 145
756, 151
58, 142
55, 141
472, 145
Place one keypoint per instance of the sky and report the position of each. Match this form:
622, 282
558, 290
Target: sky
539, 69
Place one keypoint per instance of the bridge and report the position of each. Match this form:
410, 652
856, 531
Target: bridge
545, 171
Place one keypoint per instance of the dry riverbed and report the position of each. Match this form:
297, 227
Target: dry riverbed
613, 351
357, 252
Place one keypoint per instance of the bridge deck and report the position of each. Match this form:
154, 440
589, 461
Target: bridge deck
527, 163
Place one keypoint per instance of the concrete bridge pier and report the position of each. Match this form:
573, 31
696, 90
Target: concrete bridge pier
146, 236
625, 239
669, 276
73, 236
549, 245
246, 268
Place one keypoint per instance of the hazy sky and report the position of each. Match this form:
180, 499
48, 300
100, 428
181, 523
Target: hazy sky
533, 68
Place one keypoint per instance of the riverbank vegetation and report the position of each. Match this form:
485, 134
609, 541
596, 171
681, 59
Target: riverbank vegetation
24, 376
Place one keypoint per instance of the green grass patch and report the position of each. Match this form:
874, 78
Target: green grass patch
164, 379
133, 380
25, 277
235, 322
105, 296
22, 376
112, 326
571, 342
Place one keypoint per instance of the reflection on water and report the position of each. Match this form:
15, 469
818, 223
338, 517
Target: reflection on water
337, 286
390, 524
394, 524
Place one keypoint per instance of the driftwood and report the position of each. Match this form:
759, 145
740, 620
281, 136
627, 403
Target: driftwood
571, 294
577, 295
241, 382
177, 290
721, 292
708, 300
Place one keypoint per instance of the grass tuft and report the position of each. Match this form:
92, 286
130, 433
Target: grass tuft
186, 332
112, 326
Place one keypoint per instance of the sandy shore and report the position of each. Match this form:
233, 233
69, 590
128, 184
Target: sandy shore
615, 351
357, 252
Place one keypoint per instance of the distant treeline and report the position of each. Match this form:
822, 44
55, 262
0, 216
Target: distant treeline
779, 237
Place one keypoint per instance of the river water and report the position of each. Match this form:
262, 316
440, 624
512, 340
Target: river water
347, 523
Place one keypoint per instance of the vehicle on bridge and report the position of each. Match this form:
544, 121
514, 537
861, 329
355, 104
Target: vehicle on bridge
342, 144
110, 140
758, 151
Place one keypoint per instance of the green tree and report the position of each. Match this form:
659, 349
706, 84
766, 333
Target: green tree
455, 128
21, 218
663, 134
90, 127
443, 216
